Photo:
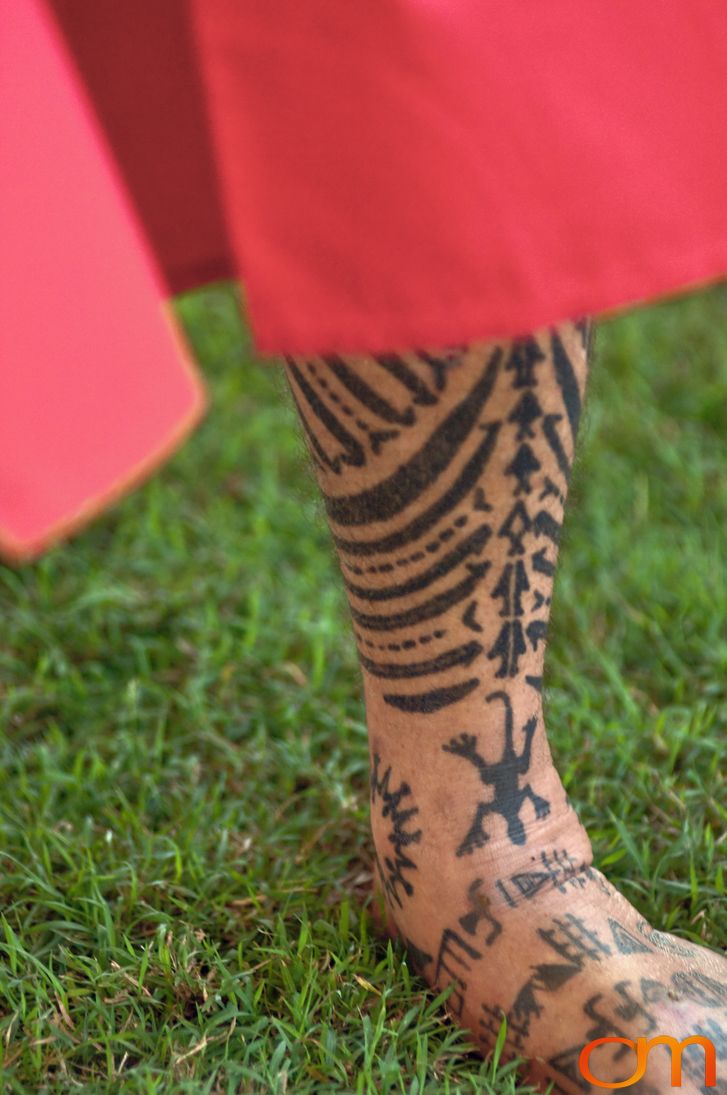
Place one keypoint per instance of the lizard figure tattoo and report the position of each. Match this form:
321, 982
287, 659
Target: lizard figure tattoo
504, 777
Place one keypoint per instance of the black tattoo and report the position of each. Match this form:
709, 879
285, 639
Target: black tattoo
395, 493
575, 944
700, 987
574, 941
419, 958
469, 618
428, 609
545, 977
558, 870
603, 1025
420, 525
642, 1022
524, 414
633, 1011
455, 956
566, 1063
625, 942
694, 1064
566, 379
523, 465
479, 502
663, 942
442, 363
457, 953
550, 422
459, 655
524, 356
392, 872
717, 1034
353, 452
366, 394
516, 1032
470, 545
515, 528
398, 368
504, 777
480, 910
424, 703
404, 517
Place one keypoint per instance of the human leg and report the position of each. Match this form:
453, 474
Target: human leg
444, 476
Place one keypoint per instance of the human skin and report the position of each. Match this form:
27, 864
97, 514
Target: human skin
444, 475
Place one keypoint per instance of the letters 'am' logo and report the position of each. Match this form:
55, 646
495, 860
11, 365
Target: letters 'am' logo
642, 1048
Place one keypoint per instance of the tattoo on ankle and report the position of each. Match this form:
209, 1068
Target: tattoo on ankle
419, 958
700, 987
480, 910
394, 868
504, 777
558, 870
490, 1023
626, 942
454, 959
459, 949
606, 1014
333, 384
625, 1012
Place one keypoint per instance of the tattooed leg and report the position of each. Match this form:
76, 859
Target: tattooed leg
444, 476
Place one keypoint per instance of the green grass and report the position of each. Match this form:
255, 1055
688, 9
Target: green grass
183, 820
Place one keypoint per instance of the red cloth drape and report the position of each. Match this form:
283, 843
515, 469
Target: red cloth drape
403, 173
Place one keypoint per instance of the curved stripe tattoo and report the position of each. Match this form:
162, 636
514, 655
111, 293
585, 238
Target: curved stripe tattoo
431, 452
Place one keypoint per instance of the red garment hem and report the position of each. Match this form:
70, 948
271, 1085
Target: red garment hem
355, 333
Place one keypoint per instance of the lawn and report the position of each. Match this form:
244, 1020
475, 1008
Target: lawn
184, 851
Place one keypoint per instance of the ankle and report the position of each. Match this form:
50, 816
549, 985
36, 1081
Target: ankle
422, 823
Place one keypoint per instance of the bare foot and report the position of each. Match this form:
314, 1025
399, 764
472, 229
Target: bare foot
536, 934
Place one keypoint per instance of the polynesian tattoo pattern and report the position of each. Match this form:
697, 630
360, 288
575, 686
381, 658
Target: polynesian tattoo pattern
557, 870
504, 778
460, 947
626, 1012
431, 518
396, 809
569, 946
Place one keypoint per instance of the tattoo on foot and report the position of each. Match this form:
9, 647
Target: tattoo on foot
480, 910
419, 958
457, 953
663, 942
454, 959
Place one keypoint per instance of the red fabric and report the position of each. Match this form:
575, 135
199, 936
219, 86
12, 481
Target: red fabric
380, 175
138, 60
402, 172
408, 172
95, 386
